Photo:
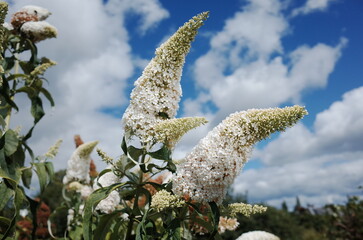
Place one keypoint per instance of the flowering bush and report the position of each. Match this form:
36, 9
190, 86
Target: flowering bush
144, 194
18, 76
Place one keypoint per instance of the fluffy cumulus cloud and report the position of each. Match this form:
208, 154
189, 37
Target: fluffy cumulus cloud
312, 6
323, 164
246, 66
95, 61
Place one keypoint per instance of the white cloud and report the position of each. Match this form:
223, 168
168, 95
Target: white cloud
312, 6
337, 130
326, 161
151, 11
246, 66
95, 61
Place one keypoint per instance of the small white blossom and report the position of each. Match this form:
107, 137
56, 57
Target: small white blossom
78, 164
24, 212
157, 92
226, 223
258, 235
214, 163
108, 204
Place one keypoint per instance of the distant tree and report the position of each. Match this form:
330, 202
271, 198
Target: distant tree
346, 221
284, 206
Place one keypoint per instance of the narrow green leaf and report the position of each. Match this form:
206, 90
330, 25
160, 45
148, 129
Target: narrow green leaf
124, 146
9, 101
28, 90
50, 169
48, 96
42, 175
26, 176
37, 109
215, 218
18, 75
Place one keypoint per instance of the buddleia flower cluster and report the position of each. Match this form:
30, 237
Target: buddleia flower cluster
78, 164
189, 203
29, 21
157, 92
214, 163
245, 209
163, 200
110, 203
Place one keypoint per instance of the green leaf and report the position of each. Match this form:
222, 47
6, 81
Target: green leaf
8, 170
2, 122
33, 205
4, 222
134, 153
37, 109
48, 96
6, 193
50, 169
26, 176
215, 218
32, 92
92, 202
18, 201
9, 101
104, 225
124, 146
11, 142
76, 234
42, 175
163, 154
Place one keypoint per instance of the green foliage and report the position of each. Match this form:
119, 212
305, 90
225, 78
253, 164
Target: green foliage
14, 174
346, 220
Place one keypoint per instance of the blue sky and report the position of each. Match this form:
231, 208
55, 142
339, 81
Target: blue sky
249, 54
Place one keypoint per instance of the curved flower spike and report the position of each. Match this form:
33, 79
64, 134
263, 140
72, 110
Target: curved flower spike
213, 164
157, 92
38, 31
170, 131
78, 164
27, 14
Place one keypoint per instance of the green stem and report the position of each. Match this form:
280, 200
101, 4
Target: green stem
132, 215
